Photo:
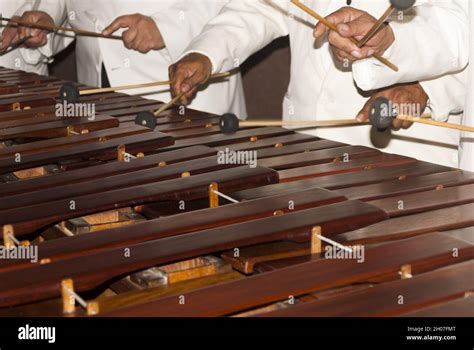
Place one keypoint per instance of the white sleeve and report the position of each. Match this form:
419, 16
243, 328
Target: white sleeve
431, 40
182, 21
242, 28
447, 94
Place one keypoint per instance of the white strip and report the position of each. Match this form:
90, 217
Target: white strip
327, 240
225, 197
17, 242
81, 301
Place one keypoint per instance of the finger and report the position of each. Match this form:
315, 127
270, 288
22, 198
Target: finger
363, 115
129, 37
343, 56
344, 15
191, 83
9, 35
397, 124
320, 30
188, 97
119, 22
177, 76
344, 44
406, 124
354, 29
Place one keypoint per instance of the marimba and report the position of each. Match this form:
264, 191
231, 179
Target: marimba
128, 221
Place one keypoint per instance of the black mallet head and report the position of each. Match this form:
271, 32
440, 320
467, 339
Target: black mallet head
229, 124
382, 113
402, 5
146, 119
69, 93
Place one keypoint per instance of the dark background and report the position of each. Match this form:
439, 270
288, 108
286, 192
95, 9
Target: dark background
266, 76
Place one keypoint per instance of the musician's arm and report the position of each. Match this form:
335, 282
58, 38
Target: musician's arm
432, 41
242, 28
182, 21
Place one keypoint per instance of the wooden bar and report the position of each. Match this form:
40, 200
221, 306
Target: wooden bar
179, 224
29, 219
461, 307
336, 182
59, 128
446, 284
408, 226
105, 150
334, 168
416, 184
434, 250
109, 169
103, 266
317, 157
426, 201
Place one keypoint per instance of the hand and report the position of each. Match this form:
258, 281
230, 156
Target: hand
399, 95
353, 23
188, 74
10, 34
39, 36
142, 35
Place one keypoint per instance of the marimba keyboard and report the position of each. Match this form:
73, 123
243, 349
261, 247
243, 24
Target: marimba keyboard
158, 222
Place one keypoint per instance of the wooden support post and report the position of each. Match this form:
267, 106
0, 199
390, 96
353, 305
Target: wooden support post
121, 153
316, 244
92, 308
69, 302
213, 196
7, 237
405, 272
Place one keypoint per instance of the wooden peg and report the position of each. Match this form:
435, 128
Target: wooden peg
67, 290
439, 187
405, 272
279, 145
402, 178
16, 106
316, 244
162, 164
45, 261
92, 308
213, 196
278, 213
469, 294
186, 174
121, 153
254, 139
141, 155
8, 233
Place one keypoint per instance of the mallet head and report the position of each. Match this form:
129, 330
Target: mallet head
229, 123
146, 119
382, 113
69, 93
402, 5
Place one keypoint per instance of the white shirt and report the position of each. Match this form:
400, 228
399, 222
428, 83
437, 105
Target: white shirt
321, 88
434, 48
178, 22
